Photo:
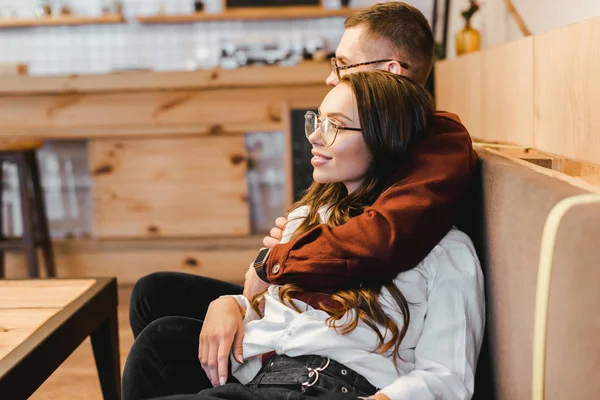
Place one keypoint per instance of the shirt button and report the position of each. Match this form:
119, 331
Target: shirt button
275, 268
289, 333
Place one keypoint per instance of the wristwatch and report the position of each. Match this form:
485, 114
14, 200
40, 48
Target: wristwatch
260, 264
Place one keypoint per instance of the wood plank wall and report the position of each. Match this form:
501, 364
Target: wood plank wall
542, 91
167, 162
169, 187
141, 114
225, 258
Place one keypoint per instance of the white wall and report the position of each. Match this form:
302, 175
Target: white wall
497, 26
104, 48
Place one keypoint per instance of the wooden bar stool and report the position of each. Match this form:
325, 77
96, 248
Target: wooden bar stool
22, 153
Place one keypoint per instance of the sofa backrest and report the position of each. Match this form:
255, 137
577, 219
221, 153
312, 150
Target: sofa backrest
505, 214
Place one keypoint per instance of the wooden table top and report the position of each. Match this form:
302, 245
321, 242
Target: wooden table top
25, 305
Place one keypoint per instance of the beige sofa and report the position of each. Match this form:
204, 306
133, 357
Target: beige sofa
505, 214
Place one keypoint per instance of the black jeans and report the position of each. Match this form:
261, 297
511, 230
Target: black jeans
168, 294
166, 313
163, 364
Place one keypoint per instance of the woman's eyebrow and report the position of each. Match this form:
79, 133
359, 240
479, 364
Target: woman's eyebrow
334, 114
339, 115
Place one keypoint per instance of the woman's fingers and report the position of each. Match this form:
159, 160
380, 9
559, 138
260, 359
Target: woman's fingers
269, 242
208, 349
280, 223
222, 321
212, 363
275, 233
223, 356
238, 344
203, 350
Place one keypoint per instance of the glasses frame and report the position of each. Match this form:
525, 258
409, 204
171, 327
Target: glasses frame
336, 68
320, 123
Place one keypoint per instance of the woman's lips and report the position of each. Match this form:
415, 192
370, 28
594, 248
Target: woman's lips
318, 159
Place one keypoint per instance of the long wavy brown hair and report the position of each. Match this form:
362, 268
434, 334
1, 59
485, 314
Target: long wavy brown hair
394, 113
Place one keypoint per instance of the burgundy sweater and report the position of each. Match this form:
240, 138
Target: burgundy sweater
397, 231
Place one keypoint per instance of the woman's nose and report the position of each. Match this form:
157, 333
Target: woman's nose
315, 137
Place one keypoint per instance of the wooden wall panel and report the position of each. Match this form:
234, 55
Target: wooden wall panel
567, 91
143, 114
507, 103
444, 85
131, 260
458, 89
169, 187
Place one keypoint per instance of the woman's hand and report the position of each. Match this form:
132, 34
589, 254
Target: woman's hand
223, 329
378, 396
275, 234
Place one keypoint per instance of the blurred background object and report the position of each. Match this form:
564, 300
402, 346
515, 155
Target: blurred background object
66, 186
14, 69
468, 39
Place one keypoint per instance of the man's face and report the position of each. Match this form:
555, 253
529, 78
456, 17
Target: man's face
349, 52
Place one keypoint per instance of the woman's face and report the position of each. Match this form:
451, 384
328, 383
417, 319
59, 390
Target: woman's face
347, 159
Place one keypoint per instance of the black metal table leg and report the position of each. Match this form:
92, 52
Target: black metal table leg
105, 342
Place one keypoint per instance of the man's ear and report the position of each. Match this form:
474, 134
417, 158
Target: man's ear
396, 68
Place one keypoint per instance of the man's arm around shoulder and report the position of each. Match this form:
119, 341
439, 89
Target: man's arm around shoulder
397, 231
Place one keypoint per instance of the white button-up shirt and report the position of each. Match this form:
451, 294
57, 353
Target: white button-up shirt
439, 353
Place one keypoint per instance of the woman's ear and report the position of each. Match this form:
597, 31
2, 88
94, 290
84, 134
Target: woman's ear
396, 68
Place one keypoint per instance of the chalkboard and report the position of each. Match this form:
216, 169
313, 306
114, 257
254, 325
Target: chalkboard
302, 169
270, 3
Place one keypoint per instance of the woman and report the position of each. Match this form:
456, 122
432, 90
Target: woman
416, 337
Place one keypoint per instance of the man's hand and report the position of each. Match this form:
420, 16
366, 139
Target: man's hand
223, 329
253, 284
275, 234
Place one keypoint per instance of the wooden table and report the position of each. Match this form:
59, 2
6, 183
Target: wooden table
43, 321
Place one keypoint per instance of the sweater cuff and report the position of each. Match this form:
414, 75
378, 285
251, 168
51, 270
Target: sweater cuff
275, 263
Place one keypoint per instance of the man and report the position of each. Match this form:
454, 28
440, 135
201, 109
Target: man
392, 236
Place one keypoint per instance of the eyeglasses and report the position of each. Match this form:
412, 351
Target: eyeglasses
327, 128
336, 69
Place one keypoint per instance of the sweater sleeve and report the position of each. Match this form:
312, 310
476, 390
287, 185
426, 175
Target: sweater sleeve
397, 231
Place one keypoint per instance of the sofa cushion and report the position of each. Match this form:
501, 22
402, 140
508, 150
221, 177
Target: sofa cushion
505, 212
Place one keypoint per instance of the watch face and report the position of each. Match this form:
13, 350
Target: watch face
261, 258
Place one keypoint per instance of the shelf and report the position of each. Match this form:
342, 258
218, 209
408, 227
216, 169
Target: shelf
306, 73
249, 14
62, 20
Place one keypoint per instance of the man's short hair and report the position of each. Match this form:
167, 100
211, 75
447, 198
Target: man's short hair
403, 31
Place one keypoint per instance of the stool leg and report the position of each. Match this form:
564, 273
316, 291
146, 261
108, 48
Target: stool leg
2, 273
29, 237
40, 215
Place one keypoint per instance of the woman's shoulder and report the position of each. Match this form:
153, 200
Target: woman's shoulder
294, 219
302, 212
456, 237
455, 254
298, 212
